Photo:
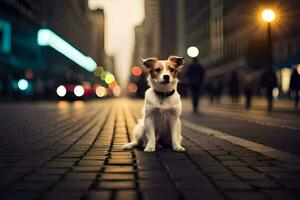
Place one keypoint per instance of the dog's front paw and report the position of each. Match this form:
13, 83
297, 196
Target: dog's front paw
149, 149
178, 148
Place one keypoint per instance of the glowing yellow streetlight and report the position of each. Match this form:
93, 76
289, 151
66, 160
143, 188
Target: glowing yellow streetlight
268, 15
192, 52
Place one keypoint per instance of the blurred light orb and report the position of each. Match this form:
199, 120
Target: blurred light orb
101, 91
79, 91
112, 85
98, 71
103, 75
61, 91
192, 52
136, 71
268, 15
132, 88
117, 91
275, 92
23, 84
109, 78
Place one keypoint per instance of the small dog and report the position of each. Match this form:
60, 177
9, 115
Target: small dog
160, 123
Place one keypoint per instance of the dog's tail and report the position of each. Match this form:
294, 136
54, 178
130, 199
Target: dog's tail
137, 134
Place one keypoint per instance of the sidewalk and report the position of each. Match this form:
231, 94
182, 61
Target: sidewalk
81, 158
258, 103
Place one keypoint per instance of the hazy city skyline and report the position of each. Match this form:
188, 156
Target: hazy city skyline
121, 16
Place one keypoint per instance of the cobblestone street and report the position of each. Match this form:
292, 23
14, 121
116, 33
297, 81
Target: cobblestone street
73, 151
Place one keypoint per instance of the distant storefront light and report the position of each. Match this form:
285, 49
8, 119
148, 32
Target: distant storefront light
23, 84
48, 38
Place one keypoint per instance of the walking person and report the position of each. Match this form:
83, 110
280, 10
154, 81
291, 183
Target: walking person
269, 82
234, 87
195, 74
248, 87
295, 84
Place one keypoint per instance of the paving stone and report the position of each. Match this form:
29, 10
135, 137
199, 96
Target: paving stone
232, 185
245, 196
251, 176
279, 195
87, 168
117, 185
72, 186
63, 196
152, 183
126, 195
160, 194
222, 176
195, 194
119, 169
267, 184
57, 171
40, 186
117, 176
99, 195
153, 174
81, 176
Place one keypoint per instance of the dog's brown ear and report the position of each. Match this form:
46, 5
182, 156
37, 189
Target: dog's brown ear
149, 62
179, 61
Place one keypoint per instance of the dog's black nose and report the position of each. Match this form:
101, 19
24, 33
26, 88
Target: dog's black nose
166, 77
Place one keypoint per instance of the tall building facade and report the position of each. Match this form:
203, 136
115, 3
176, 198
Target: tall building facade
43, 67
231, 34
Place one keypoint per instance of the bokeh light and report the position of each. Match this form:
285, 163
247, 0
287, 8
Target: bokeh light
23, 84
136, 71
103, 75
268, 15
98, 71
109, 78
101, 91
61, 91
79, 91
117, 91
112, 85
192, 52
132, 87
275, 92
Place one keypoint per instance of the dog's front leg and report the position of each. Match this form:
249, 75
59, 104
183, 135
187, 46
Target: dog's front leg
150, 134
175, 126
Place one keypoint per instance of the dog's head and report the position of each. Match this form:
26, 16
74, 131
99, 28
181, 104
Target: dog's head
163, 73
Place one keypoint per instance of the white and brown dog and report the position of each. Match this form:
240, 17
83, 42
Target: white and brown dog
160, 123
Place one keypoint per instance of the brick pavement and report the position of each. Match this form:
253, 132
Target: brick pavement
75, 153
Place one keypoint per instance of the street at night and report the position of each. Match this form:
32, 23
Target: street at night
149, 100
64, 150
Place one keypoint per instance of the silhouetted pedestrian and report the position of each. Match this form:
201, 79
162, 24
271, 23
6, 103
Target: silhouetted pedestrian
248, 87
295, 85
234, 87
195, 74
219, 90
269, 82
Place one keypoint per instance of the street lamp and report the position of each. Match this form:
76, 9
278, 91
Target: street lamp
269, 16
192, 52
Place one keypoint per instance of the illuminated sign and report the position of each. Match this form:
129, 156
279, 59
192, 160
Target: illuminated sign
5, 36
48, 38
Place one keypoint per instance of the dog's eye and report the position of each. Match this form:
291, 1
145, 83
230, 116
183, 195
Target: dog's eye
157, 70
172, 69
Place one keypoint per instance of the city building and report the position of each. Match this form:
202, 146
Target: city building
231, 35
27, 55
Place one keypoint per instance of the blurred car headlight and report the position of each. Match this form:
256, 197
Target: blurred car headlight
79, 91
61, 91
